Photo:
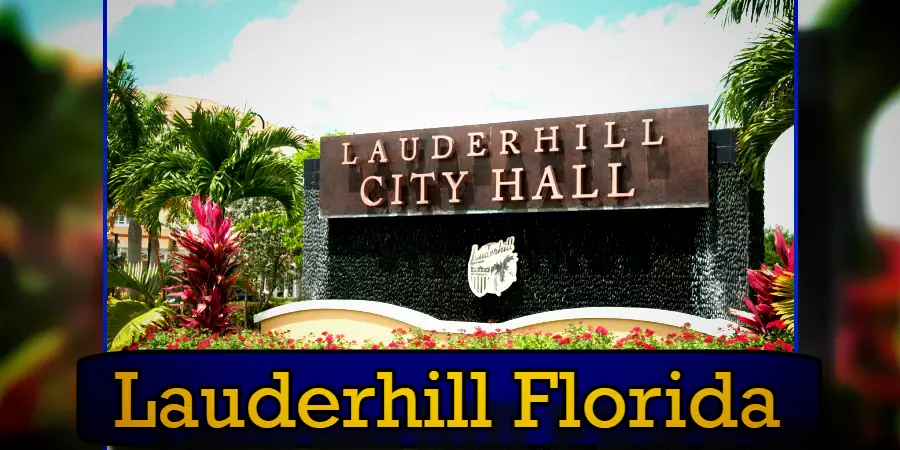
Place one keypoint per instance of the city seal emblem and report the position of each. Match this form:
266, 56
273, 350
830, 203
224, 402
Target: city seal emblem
492, 268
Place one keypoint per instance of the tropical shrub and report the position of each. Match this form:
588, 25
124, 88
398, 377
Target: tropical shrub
127, 319
771, 253
773, 308
244, 316
579, 337
209, 270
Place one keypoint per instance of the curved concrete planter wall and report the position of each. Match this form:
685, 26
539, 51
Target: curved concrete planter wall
360, 320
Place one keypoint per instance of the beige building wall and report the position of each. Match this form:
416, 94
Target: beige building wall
360, 320
360, 326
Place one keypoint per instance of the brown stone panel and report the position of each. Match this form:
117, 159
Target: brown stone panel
673, 174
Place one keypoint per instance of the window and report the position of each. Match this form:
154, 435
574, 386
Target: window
121, 220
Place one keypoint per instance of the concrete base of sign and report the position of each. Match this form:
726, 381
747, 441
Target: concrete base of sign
360, 320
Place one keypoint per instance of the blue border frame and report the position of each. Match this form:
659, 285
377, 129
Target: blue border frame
796, 304
105, 176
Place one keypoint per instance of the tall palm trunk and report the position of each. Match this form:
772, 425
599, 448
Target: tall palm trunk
153, 249
134, 241
134, 246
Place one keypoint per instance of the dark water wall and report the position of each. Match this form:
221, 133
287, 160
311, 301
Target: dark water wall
687, 260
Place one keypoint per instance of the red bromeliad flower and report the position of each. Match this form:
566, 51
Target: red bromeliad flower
208, 271
774, 290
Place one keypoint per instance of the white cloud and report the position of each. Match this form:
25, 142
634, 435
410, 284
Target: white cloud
808, 14
118, 10
778, 195
883, 162
82, 38
529, 18
328, 65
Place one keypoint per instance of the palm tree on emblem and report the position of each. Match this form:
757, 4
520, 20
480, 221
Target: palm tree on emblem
500, 270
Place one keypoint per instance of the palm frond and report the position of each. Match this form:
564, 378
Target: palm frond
144, 281
737, 10
123, 98
758, 97
176, 186
126, 321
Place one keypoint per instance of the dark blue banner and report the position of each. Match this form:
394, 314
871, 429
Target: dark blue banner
459, 397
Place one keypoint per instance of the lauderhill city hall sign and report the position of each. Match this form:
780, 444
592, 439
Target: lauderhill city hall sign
654, 158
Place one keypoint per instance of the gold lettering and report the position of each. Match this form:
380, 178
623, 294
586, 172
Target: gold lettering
767, 408
389, 396
457, 421
589, 408
185, 408
126, 421
570, 421
356, 398
527, 397
675, 394
724, 397
280, 394
232, 420
642, 397
303, 408
481, 420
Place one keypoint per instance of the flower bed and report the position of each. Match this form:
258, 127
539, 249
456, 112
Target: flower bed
580, 337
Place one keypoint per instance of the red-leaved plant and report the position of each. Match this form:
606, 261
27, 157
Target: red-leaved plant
774, 290
208, 271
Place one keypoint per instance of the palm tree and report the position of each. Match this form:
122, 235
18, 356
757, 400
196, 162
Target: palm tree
214, 153
758, 95
133, 121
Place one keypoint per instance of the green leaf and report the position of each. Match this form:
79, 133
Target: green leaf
143, 281
126, 321
758, 96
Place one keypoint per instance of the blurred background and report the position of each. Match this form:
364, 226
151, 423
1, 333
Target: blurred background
51, 220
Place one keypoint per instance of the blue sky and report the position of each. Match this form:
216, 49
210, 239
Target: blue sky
41, 16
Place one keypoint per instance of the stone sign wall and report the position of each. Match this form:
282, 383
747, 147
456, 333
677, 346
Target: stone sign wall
690, 260
639, 159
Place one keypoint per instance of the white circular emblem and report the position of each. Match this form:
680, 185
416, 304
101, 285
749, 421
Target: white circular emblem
492, 268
